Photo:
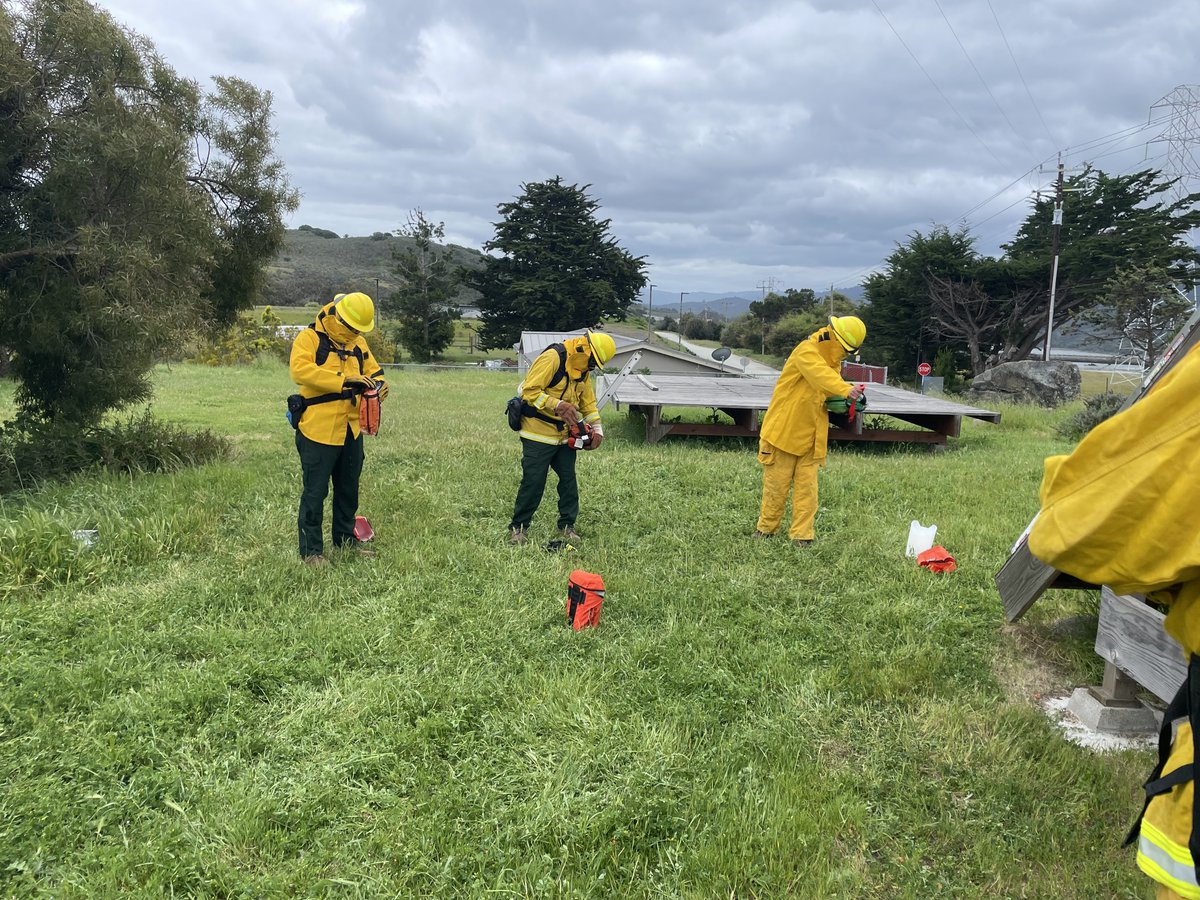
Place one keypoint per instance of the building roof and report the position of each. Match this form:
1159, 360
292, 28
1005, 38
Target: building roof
533, 343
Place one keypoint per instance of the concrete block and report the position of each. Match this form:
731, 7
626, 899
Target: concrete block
1122, 718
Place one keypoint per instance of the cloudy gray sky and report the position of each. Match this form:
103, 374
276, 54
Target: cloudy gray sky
734, 145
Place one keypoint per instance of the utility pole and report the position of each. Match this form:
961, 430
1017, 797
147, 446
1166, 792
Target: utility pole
682, 294
649, 314
1057, 229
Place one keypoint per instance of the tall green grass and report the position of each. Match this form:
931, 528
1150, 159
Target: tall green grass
186, 709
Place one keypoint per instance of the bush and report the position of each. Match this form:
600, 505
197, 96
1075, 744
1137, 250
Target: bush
244, 341
1095, 410
383, 348
945, 366
35, 452
791, 330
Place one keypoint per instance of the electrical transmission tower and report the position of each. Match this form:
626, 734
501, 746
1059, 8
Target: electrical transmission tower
1182, 135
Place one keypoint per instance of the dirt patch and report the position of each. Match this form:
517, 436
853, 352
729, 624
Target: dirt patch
1029, 666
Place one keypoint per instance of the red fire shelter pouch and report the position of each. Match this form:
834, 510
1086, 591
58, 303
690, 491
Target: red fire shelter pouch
585, 596
936, 559
369, 410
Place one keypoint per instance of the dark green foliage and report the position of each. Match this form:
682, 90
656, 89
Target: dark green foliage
1095, 410
996, 309
320, 232
1141, 304
699, 329
423, 305
774, 307
945, 367
898, 315
37, 452
558, 268
248, 189
1108, 222
244, 341
131, 205
790, 331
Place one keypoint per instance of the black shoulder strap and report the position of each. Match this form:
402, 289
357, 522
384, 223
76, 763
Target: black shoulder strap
562, 363
1185, 703
324, 345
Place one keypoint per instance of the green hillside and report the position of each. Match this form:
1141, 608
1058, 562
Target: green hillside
314, 265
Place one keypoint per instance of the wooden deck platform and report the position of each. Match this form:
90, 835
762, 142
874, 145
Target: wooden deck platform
743, 399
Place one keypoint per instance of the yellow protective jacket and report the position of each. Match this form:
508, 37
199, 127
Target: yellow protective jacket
1124, 510
796, 420
575, 387
326, 423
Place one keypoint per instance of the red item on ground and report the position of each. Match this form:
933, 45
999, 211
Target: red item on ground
362, 529
936, 559
585, 596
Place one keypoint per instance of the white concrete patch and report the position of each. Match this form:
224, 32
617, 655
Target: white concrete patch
1078, 733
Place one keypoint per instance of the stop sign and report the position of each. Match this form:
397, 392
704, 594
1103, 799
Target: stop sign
924, 369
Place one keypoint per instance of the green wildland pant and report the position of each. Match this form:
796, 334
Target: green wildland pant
536, 460
320, 464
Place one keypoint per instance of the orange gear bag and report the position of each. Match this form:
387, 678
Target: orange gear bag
369, 410
585, 596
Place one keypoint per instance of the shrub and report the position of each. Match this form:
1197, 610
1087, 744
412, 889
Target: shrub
1095, 410
383, 348
35, 452
244, 341
944, 365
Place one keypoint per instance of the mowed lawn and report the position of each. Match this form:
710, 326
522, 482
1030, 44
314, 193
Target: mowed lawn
186, 710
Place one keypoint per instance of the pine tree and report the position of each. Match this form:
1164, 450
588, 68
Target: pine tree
558, 269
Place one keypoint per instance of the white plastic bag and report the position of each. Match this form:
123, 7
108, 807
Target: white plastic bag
920, 538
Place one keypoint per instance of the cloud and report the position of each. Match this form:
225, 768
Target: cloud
727, 143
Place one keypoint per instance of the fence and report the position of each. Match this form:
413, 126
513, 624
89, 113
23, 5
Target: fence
864, 373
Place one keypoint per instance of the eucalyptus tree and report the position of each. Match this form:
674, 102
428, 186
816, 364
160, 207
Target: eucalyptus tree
134, 207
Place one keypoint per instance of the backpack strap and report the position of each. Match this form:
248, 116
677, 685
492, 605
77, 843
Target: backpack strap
1186, 703
325, 345
561, 348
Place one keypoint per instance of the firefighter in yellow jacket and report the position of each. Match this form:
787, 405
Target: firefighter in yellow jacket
1124, 510
557, 393
795, 429
333, 365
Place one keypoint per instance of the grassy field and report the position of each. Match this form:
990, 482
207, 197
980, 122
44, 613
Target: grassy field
187, 710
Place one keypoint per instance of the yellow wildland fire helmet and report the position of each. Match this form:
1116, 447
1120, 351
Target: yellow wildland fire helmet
849, 331
356, 310
603, 346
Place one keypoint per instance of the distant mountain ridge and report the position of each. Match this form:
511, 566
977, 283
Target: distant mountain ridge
315, 264
312, 267
730, 304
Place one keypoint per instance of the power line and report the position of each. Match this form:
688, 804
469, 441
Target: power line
983, 203
935, 84
1020, 74
1105, 140
1001, 211
979, 75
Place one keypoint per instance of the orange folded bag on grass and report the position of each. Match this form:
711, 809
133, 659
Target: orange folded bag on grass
936, 559
585, 596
